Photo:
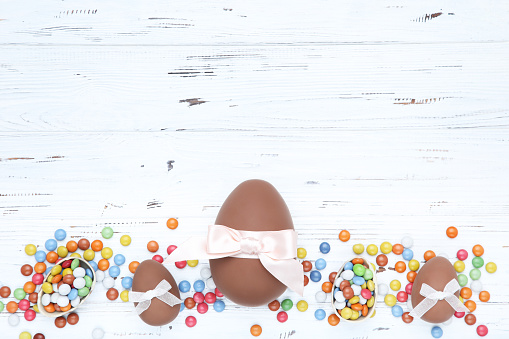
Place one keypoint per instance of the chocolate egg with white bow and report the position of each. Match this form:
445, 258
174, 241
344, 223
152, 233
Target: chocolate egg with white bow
255, 205
437, 273
154, 278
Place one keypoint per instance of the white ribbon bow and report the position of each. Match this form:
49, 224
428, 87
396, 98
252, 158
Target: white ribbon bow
432, 297
161, 292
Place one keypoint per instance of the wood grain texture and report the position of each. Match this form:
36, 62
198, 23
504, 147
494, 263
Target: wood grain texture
384, 118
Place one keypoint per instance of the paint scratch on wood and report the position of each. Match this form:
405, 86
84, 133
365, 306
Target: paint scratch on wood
429, 17
193, 101
286, 334
207, 207
154, 204
22, 194
16, 158
411, 101
191, 73
170, 164
381, 329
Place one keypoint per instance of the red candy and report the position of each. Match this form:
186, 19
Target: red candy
218, 293
158, 258
198, 297
29, 314
210, 298
170, 249
282, 316
37, 278
181, 264
401, 296
202, 308
462, 255
408, 288
66, 264
190, 321
482, 330
366, 294
459, 314
24, 304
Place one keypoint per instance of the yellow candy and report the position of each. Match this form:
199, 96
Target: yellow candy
374, 267
355, 315
358, 248
75, 255
346, 313
386, 247
125, 240
192, 263
374, 312
301, 253
36, 308
124, 295
491, 267
66, 272
62, 251
413, 265
302, 305
56, 270
30, 249
47, 287
395, 285
354, 300
363, 285
106, 252
371, 285
372, 249
389, 300
461, 299
25, 335
459, 266
89, 255
50, 278
370, 302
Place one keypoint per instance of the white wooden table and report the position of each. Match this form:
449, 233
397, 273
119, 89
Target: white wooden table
381, 117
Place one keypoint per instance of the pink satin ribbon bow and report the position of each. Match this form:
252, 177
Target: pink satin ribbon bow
277, 251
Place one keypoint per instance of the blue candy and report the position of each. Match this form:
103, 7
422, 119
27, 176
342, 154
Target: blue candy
114, 271
348, 266
358, 280
324, 248
320, 264
182, 307
397, 311
48, 270
119, 259
127, 282
184, 286
335, 290
89, 273
51, 244
219, 306
73, 294
60, 234
40, 256
199, 285
320, 314
315, 276
93, 264
436, 332
408, 254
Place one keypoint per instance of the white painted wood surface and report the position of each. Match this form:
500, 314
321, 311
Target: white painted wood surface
381, 117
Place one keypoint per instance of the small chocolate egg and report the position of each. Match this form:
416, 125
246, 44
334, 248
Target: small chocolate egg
255, 205
436, 272
148, 275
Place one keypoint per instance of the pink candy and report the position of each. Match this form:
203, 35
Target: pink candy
218, 293
402, 296
158, 258
462, 255
198, 297
171, 248
408, 288
190, 321
181, 264
482, 330
210, 298
38, 278
24, 304
366, 294
459, 314
282, 316
202, 308
29, 314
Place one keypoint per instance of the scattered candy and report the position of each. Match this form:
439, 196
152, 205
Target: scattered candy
60, 322
397, 311
274, 305
452, 232
152, 246
40, 256
112, 294
13, 319
315, 276
256, 330
25, 335
471, 305
26, 270
402, 296
133, 266
484, 296
302, 305
382, 260
482, 330
390, 300
333, 320
107, 232
397, 249
320, 264
39, 336
127, 282
475, 274
478, 250
408, 254
386, 247
282, 316
199, 285
301, 253
358, 248
491, 267
324, 247
190, 321
407, 318
219, 306
413, 265
428, 255
98, 333
172, 223
71, 246
437, 332
407, 241
344, 235
60, 234
400, 267
459, 266
190, 263
320, 314
202, 308
320, 296
383, 289
476, 286
184, 286
287, 304
30, 249
106, 252
372, 249
307, 266
470, 319
50, 244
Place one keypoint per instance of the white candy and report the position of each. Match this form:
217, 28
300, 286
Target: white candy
64, 289
75, 302
99, 276
54, 297
320, 296
348, 304
347, 275
338, 281
339, 305
407, 241
448, 322
46, 299
55, 287
211, 284
97, 333
383, 289
63, 301
356, 289
205, 273
108, 282
79, 283
476, 286
13, 320
362, 300
79, 272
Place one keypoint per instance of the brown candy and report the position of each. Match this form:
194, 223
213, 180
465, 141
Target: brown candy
26, 270
470, 319
307, 265
68, 279
407, 318
274, 305
57, 308
32, 297
306, 280
381, 260
189, 303
344, 284
5, 292
332, 276
39, 336
112, 294
83, 244
73, 318
60, 322
348, 292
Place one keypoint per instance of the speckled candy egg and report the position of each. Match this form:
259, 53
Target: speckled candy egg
255, 205
436, 272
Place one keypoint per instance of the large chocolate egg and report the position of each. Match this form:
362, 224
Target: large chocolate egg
148, 275
255, 205
437, 272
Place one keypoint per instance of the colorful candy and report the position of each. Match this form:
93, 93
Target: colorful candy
397, 311
60, 234
475, 274
413, 265
478, 262
428, 255
320, 264
382, 260
386, 247
344, 235
400, 266
459, 266
307, 266
372, 249
452, 232
358, 248
107, 232
390, 300
302, 305
152, 246
282, 316
256, 330
484, 296
408, 254
315, 276
320, 314
470, 319
478, 250
50, 244
333, 320
172, 223
491, 267
219, 306
324, 247
287, 304
407, 241
301, 253
482, 330
437, 332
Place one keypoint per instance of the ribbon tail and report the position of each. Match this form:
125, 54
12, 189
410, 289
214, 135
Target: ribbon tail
456, 304
142, 306
288, 271
423, 307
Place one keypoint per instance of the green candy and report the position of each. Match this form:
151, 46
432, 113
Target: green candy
462, 280
287, 304
475, 274
359, 270
368, 275
88, 281
1, 306
83, 292
107, 232
478, 262
75, 263
19, 294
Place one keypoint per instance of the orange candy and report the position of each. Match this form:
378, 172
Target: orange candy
97, 245
356, 307
56, 279
66, 308
397, 249
71, 246
365, 310
152, 246
400, 267
333, 320
133, 266
103, 264
478, 250
411, 276
11, 306
358, 261
428, 255
29, 287
52, 257
50, 308
470, 304
452, 232
484, 296
40, 267
306, 280
327, 287
466, 293
256, 330
344, 236
172, 223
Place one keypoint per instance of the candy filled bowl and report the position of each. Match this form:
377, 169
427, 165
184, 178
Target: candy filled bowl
355, 290
69, 283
